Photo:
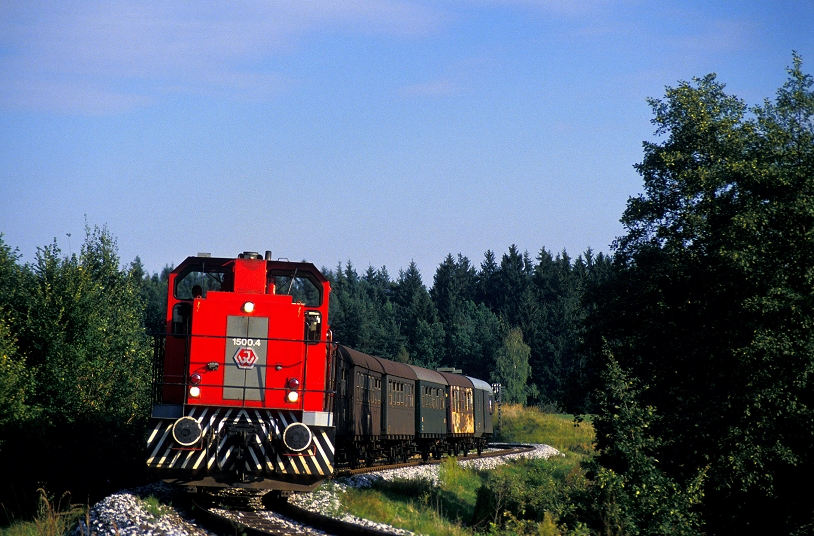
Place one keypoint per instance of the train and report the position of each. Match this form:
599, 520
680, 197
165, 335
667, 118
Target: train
250, 390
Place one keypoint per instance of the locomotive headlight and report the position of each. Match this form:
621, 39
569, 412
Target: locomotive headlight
186, 431
248, 307
297, 437
292, 396
194, 391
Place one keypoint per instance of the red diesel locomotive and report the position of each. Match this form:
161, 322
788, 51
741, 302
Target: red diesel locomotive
249, 390
242, 392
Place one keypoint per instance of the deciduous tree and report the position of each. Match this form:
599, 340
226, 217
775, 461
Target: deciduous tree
713, 302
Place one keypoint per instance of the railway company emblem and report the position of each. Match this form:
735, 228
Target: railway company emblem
245, 358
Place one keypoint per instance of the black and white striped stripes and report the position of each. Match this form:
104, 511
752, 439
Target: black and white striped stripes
242, 441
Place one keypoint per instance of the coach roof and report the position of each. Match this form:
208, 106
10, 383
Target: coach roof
360, 360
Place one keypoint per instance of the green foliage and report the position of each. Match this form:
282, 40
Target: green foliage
530, 425
711, 306
86, 336
362, 315
474, 335
15, 382
75, 369
463, 319
524, 497
457, 491
153, 294
630, 493
416, 505
512, 369
53, 518
536, 490
153, 506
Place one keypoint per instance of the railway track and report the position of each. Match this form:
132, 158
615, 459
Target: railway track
254, 515
494, 450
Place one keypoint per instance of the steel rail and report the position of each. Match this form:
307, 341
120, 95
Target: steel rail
246, 519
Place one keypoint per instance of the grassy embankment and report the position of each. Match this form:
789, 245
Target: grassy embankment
522, 497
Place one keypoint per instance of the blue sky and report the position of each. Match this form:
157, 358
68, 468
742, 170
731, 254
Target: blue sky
378, 132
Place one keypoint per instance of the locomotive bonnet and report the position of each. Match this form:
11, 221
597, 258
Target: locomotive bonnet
249, 390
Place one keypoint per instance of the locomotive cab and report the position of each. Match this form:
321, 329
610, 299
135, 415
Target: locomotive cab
243, 390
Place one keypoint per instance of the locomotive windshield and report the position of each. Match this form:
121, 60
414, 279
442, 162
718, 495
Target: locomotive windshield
302, 284
303, 287
206, 277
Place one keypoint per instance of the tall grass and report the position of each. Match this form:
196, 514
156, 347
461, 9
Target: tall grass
532, 495
54, 518
530, 425
419, 505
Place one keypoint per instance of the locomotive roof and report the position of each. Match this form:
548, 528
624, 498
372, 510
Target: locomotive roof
455, 379
427, 375
270, 265
480, 384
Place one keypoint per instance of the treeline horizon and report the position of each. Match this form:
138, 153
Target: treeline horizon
512, 320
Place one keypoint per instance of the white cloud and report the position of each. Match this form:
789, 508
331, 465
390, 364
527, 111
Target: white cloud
716, 36
563, 7
102, 57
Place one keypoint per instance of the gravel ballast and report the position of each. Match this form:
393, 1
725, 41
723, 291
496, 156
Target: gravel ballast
126, 513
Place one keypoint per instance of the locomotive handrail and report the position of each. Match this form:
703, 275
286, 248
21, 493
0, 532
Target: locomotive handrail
158, 381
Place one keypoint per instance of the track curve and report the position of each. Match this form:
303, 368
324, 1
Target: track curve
279, 517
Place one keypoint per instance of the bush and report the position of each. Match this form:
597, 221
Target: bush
75, 371
536, 490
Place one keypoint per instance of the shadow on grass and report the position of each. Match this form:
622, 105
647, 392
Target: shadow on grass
447, 504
